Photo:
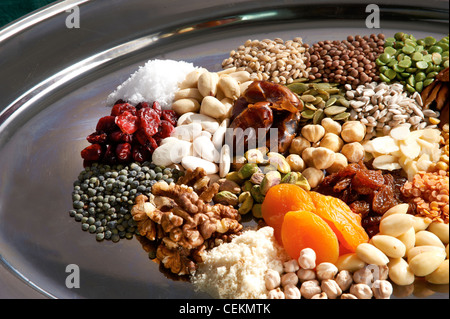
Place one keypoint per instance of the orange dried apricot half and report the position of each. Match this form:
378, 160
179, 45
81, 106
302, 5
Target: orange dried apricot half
283, 198
339, 216
304, 229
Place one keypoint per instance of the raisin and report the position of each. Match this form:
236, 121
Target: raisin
119, 108
106, 124
362, 208
123, 152
97, 138
92, 152
170, 116
383, 199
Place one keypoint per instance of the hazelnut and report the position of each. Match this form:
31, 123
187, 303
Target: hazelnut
296, 163
298, 144
354, 152
331, 126
314, 176
307, 156
322, 158
340, 161
353, 131
332, 142
313, 132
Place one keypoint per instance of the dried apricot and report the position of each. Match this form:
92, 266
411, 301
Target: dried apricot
304, 229
283, 198
345, 223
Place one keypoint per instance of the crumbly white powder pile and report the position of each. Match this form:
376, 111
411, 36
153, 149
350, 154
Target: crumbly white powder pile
236, 270
157, 81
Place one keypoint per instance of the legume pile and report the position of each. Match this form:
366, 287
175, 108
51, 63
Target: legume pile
103, 196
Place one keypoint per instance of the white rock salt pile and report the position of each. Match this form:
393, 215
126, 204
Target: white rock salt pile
157, 81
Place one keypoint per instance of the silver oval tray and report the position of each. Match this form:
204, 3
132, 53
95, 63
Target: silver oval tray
54, 81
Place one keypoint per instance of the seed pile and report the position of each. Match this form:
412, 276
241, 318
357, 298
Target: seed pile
382, 106
415, 63
321, 100
348, 61
103, 196
429, 193
270, 60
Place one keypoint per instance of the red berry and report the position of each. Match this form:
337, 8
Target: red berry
123, 152
92, 152
142, 105
170, 115
157, 108
149, 121
106, 124
119, 108
110, 155
127, 122
97, 138
165, 129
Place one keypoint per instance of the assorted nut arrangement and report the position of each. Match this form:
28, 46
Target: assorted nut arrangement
350, 202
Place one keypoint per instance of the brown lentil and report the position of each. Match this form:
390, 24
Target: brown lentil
429, 194
348, 61
270, 60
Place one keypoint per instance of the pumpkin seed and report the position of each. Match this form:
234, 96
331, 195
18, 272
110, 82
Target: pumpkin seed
334, 110
341, 117
308, 98
308, 114
310, 106
330, 102
298, 88
318, 116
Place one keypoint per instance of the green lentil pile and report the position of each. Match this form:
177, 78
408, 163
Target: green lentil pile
414, 63
103, 196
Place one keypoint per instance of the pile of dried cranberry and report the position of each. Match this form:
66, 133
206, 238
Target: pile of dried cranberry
129, 133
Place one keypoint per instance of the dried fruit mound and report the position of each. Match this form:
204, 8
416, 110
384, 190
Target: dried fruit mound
369, 193
129, 133
306, 219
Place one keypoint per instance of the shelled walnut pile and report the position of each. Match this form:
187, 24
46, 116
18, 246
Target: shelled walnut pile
183, 221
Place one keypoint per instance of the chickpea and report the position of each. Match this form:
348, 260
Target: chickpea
291, 265
326, 270
292, 292
306, 274
361, 291
331, 288
310, 288
307, 259
382, 289
344, 279
276, 294
289, 278
272, 279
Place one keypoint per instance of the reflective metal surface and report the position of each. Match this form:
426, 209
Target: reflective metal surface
53, 85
